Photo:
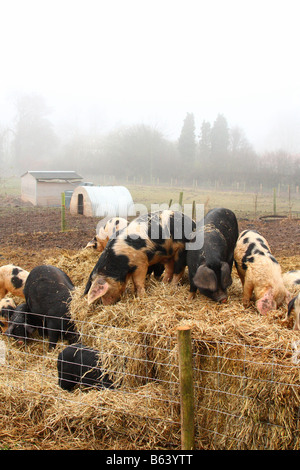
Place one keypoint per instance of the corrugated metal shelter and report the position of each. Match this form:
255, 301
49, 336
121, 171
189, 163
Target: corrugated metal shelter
44, 188
102, 201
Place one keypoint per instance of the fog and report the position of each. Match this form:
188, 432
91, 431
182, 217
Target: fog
102, 65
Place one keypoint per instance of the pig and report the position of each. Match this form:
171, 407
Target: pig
210, 266
291, 279
111, 227
7, 307
78, 365
20, 326
294, 306
259, 272
12, 279
154, 238
47, 294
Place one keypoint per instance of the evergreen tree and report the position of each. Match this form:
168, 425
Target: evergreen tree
187, 145
219, 139
219, 148
205, 142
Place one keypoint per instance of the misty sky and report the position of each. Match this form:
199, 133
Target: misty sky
101, 64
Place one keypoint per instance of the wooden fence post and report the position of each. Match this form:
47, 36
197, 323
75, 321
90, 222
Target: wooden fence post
186, 388
274, 201
63, 212
194, 211
180, 198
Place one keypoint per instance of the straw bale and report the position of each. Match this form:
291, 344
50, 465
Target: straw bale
246, 384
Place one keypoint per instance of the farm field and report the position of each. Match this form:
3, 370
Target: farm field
244, 203
43, 417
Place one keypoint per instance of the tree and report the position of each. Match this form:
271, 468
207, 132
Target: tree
242, 157
137, 151
219, 139
205, 141
187, 145
219, 148
35, 140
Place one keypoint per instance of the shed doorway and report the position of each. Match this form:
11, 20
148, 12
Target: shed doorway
80, 204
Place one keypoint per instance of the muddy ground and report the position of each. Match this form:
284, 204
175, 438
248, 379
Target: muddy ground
30, 235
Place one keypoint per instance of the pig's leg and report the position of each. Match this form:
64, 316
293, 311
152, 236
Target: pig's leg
138, 278
241, 275
169, 270
3, 292
177, 277
179, 267
247, 293
192, 295
55, 329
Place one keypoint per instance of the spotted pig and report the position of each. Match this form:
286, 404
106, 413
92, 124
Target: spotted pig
291, 280
12, 279
7, 307
260, 272
105, 232
157, 237
294, 306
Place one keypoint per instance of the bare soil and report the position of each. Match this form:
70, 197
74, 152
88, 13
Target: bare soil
30, 235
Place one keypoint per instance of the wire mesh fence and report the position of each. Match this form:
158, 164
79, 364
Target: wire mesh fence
246, 389
245, 397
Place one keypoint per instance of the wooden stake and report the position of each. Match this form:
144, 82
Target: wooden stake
186, 388
63, 212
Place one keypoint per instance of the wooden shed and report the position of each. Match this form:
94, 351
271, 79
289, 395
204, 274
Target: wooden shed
102, 201
44, 188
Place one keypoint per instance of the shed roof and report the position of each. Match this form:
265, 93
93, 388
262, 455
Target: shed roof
54, 175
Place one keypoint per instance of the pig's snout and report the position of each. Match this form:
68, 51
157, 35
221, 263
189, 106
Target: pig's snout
220, 297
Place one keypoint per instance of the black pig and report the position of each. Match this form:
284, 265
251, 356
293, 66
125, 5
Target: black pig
47, 293
210, 266
78, 365
19, 326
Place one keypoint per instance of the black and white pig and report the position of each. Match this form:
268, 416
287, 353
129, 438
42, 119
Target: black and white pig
259, 272
7, 306
291, 280
12, 279
158, 237
294, 306
47, 294
78, 365
210, 266
106, 231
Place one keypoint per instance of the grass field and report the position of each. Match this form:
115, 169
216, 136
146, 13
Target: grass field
243, 203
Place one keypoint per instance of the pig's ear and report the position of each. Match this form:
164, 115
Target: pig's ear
100, 241
291, 305
205, 278
98, 288
226, 279
266, 303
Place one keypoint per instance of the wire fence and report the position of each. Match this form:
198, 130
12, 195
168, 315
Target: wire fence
244, 397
